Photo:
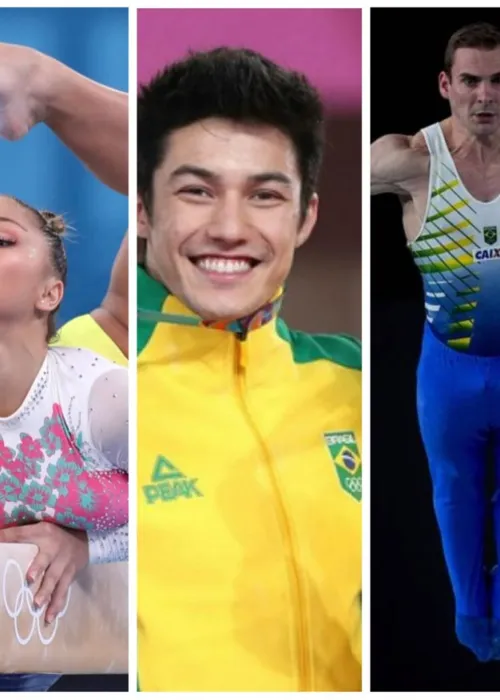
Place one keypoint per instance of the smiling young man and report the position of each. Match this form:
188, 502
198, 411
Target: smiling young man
447, 177
249, 434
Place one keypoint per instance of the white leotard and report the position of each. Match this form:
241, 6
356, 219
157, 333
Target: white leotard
64, 452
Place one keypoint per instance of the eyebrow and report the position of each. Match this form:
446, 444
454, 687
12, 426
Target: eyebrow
478, 77
12, 221
204, 174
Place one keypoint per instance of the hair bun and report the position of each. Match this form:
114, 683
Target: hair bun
55, 222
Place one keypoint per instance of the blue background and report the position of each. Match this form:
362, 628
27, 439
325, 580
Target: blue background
42, 171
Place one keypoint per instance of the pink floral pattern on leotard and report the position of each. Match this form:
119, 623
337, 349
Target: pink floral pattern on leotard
50, 477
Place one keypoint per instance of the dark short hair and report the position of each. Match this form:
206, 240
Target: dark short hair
480, 35
235, 84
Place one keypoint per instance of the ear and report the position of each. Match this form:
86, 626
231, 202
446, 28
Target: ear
309, 221
143, 225
444, 85
51, 296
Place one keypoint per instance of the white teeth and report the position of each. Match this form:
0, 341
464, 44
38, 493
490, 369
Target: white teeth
223, 265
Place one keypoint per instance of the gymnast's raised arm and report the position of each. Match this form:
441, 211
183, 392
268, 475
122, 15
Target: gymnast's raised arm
112, 314
398, 164
89, 118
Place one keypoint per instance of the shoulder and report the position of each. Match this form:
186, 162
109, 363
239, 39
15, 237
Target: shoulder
85, 332
340, 349
398, 164
409, 146
418, 144
392, 142
81, 366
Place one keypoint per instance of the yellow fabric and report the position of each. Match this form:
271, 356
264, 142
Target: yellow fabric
249, 550
85, 332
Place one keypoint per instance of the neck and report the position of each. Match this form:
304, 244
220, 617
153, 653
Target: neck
183, 315
21, 356
484, 148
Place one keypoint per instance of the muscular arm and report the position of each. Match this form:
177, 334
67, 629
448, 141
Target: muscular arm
397, 163
89, 118
92, 121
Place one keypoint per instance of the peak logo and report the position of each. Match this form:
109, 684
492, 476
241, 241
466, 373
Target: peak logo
169, 484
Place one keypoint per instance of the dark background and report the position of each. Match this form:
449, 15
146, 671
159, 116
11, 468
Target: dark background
413, 644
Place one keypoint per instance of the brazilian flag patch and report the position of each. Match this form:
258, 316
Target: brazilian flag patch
346, 458
490, 234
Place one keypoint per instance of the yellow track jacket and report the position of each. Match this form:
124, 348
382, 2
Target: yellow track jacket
84, 332
249, 507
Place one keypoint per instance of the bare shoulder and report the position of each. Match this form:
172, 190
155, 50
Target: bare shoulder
418, 145
410, 147
398, 161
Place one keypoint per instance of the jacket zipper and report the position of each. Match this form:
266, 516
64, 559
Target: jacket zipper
294, 574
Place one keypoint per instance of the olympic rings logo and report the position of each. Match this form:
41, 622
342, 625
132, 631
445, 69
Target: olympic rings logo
25, 597
354, 484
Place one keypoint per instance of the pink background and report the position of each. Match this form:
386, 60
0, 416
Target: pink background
324, 44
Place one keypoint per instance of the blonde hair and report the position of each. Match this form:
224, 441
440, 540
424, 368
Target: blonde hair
54, 227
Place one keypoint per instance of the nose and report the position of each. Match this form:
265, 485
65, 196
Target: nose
228, 223
484, 91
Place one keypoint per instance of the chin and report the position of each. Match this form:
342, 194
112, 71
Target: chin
485, 131
218, 313
223, 311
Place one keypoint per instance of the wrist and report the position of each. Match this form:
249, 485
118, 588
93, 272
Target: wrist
84, 540
47, 83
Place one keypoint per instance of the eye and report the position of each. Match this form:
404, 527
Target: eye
267, 195
195, 192
5, 242
470, 80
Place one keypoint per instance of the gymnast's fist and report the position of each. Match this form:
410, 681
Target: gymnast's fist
23, 90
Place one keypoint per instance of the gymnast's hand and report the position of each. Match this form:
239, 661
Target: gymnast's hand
62, 554
89, 118
21, 90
